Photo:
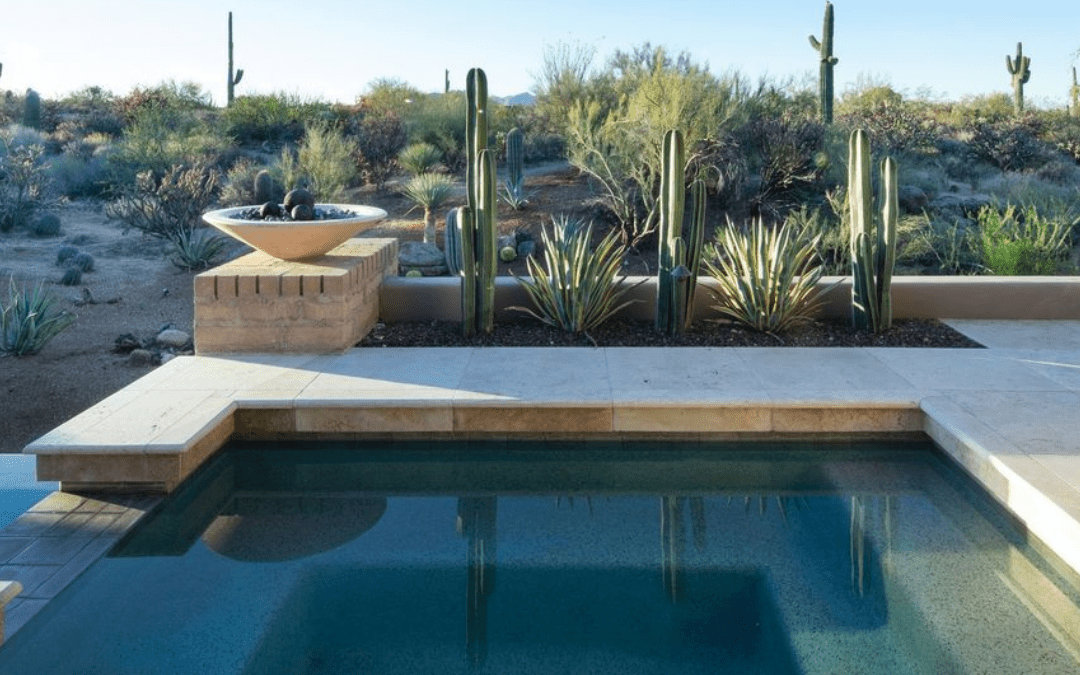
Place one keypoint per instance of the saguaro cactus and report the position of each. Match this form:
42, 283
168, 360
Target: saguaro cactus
233, 79
873, 244
680, 244
479, 254
1021, 73
825, 78
1074, 95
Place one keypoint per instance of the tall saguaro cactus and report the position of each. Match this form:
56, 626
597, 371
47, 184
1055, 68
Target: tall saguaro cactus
234, 79
479, 257
680, 244
1021, 73
873, 241
825, 78
1074, 96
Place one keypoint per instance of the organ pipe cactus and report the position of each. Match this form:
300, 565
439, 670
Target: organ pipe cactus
515, 163
873, 244
234, 79
1021, 73
680, 243
479, 247
827, 60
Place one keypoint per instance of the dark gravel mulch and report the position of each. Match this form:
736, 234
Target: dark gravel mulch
621, 333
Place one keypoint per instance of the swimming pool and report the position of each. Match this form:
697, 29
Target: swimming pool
518, 557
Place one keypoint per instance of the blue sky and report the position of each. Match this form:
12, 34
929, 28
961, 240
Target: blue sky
331, 49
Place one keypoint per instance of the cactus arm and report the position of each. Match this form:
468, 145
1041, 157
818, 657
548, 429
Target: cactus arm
886, 252
468, 267
695, 246
486, 241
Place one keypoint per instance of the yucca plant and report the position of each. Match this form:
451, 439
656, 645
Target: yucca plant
767, 277
195, 249
420, 158
576, 289
429, 191
28, 321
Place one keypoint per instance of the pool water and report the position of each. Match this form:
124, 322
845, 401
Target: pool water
544, 558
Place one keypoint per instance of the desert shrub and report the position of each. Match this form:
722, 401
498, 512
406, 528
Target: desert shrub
25, 189
83, 261
238, 187
1018, 241
786, 161
380, 137
324, 162
419, 158
169, 97
1010, 145
277, 118
944, 247
440, 121
66, 253
28, 320
895, 127
72, 276
767, 277
74, 174
90, 110
168, 207
566, 77
576, 289
46, 225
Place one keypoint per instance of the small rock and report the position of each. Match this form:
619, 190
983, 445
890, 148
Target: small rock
166, 357
141, 357
297, 197
303, 212
526, 248
173, 338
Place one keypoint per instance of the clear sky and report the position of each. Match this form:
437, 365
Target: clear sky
333, 49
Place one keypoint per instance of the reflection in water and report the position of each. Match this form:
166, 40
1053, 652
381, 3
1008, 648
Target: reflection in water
476, 520
672, 545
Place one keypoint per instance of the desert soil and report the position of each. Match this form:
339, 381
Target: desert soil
135, 290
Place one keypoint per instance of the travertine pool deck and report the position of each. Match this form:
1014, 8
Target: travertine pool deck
1010, 414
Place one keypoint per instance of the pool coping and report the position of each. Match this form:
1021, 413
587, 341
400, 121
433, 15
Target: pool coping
1007, 414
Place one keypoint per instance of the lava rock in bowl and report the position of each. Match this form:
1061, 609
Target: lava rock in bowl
303, 212
297, 197
271, 210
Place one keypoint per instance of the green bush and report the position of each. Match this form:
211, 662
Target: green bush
28, 321
380, 137
1019, 242
576, 289
767, 277
276, 118
324, 162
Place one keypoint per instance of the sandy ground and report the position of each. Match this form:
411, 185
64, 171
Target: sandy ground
135, 290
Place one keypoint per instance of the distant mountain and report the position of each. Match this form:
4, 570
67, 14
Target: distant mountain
524, 98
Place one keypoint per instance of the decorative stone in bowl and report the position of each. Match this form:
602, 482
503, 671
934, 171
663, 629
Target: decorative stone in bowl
288, 239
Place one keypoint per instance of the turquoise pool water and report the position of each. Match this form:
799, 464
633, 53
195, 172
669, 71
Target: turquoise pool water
534, 558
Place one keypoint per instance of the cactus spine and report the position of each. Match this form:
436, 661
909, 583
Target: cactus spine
1074, 94
680, 245
1021, 73
825, 78
515, 163
873, 244
479, 254
233, 79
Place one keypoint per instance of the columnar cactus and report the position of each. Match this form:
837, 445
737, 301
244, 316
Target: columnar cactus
479, 246
515, 163
233, 80
680, 245
1074, 94
32, 110
873, 244
1021, 73
825, 78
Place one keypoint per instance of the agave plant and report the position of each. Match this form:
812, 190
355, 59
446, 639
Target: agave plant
577, 288
195, 248
429, 191
28, 321
767, 277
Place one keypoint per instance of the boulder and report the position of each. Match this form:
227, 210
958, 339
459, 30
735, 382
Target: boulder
912, 199
172, 338
428, 259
